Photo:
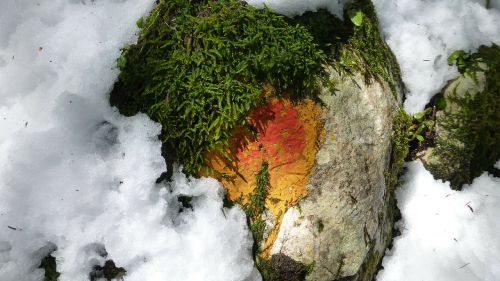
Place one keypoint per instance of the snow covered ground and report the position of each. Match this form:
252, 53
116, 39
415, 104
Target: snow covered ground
76, 175
446, 235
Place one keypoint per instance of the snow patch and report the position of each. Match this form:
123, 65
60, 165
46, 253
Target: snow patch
77, 176
292, 8
446, 235
423, 33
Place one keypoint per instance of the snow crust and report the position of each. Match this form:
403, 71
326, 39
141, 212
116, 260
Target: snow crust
78, 177
446, 235
423, 33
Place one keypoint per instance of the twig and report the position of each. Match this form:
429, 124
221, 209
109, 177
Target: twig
470, 208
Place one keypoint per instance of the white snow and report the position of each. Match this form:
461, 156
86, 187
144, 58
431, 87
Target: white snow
76, 175
446, 235
422, 33
298, 7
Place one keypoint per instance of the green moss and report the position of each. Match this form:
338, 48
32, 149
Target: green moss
329, 31
49, 265
309, 268
400, 147
366, 43
199, 66
108, 272
267, 273
256, 206
468, 143
410, 135
467, 63
354, 44
254, 209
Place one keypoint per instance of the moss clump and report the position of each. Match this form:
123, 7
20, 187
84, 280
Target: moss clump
329, 31
254, 209
354, 44
400, 146
367, 44
49, 265
199, 66
108, 272
256, 206
469, 134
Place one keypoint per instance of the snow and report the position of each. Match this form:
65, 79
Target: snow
446, 235
298, 7
423, 33
77, 176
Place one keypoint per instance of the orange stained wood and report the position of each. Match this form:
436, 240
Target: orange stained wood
286, 136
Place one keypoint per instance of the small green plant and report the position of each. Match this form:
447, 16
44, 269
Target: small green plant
422, 126
107, 272
199, 67
254, 209
356, 17
256, 205
467, 63
410, 134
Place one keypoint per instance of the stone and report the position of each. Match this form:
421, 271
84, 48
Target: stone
345, 223
286, 139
